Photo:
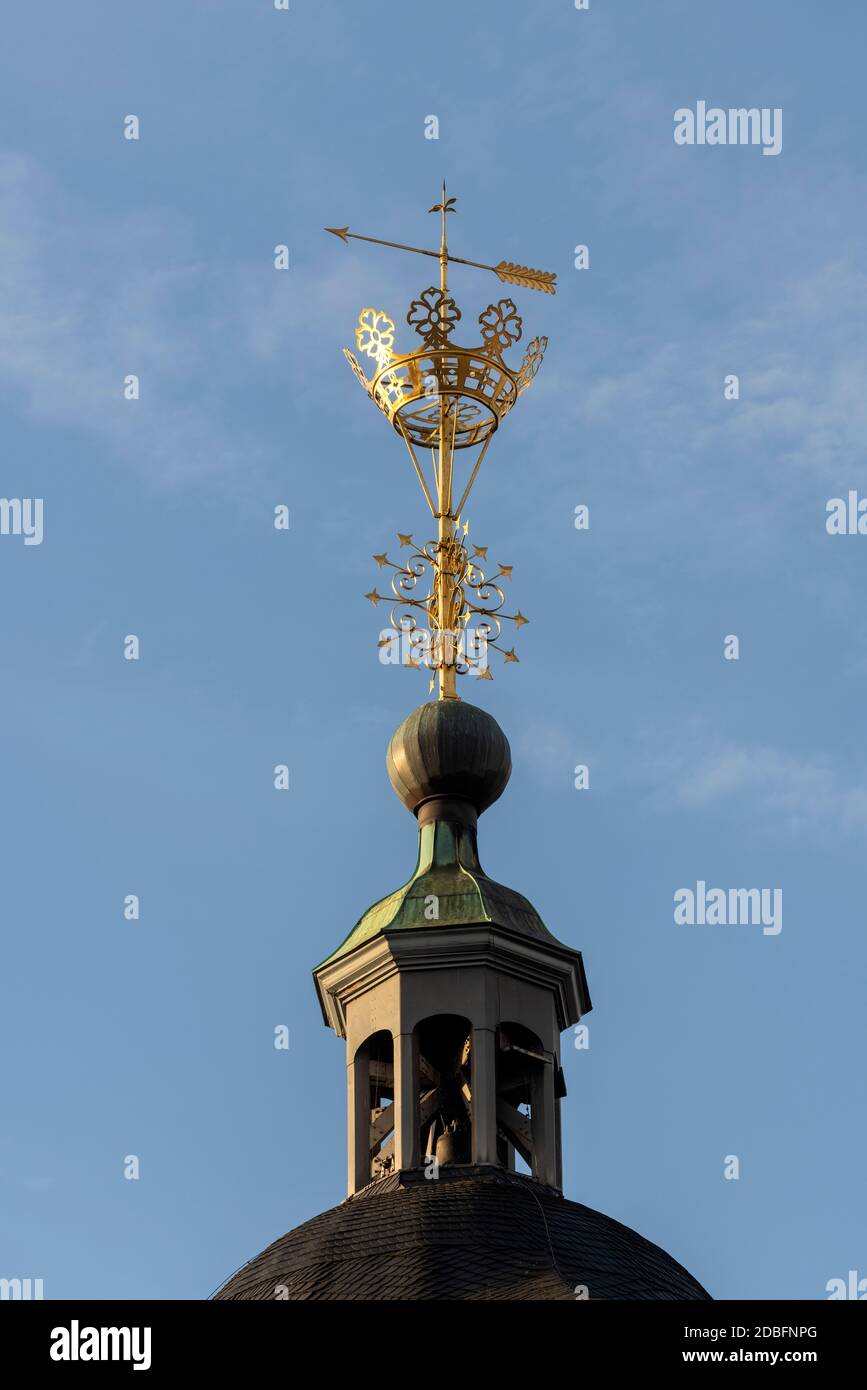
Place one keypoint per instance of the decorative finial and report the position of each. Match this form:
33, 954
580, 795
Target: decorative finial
447, 399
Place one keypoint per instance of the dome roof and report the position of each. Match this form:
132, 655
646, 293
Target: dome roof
448, 761
465, 896
448, 748
474, 1233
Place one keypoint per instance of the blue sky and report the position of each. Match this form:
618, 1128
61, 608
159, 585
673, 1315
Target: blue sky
154, 777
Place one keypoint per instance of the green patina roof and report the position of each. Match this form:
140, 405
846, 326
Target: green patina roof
448, 869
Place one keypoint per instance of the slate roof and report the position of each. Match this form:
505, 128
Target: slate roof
473, 1233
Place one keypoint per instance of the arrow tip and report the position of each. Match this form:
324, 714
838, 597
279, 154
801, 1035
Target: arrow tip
342, 232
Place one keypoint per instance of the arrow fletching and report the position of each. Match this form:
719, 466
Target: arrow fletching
511, 274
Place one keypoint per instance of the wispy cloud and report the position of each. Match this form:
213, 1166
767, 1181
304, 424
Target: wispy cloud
87, 299
698, 772
801, 357
804, 364
548, 751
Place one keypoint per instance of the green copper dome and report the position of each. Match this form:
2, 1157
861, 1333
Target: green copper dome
448, 748
447, 762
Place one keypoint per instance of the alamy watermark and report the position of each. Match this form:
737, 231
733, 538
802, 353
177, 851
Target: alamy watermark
732, 907
739, 125
22, 516
852, 1287
23, 1289
77, 1343
846, 516
419, 647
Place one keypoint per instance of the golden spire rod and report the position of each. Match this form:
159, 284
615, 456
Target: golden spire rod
445, 522
447, 398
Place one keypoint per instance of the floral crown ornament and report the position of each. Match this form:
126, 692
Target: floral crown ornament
433, 316
374, 335
477, 384
531, 363
501, 326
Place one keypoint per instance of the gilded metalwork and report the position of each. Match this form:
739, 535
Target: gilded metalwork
447, 398
501, 326
442, 582
531, 363
375, 335
433, 315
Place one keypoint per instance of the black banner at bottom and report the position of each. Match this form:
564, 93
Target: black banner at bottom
150, 1338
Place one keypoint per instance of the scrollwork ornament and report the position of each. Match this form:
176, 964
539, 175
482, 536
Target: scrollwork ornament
460, 636
531, 363
356, 367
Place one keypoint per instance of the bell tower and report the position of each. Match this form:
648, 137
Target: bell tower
451, 993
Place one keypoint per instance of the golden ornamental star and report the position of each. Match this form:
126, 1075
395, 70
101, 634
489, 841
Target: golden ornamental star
519, 620
505, 571
510, 655
486, 675
404, 540
374, 597
480, 552
381, 560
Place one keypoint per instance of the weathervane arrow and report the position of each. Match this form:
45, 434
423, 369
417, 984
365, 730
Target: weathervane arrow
507, 271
